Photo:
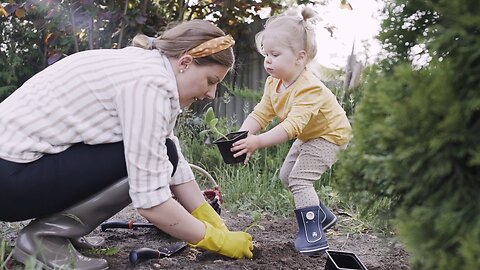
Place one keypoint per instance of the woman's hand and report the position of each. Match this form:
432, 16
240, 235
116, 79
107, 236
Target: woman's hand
246, 146
236, 245
172, 218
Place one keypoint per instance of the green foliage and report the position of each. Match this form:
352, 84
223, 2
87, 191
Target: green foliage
17, 64
211, 122
244, 93
5, 253
351, 99
408, 24
256, 218
193, 145
415, 149
34, 34
242, 186
245, 187
104, 251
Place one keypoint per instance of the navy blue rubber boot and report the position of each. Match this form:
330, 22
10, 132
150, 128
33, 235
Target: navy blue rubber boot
311, 239
329, 218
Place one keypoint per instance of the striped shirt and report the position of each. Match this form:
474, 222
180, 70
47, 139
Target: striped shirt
96, 97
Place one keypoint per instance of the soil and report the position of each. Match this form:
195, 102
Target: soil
273, 246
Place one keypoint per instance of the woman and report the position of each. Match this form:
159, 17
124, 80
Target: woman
87, 134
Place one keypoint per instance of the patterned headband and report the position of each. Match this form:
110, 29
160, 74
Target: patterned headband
212, 46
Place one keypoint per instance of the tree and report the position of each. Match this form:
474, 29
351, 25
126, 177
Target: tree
415, 153
17, 63
55, 28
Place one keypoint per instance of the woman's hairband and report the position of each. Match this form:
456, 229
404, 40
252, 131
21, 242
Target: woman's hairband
212, 46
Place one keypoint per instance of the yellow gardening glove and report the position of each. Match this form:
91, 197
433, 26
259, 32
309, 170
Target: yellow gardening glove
237, 245
205, 212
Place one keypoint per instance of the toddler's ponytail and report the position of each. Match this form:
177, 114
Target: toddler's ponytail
310, 17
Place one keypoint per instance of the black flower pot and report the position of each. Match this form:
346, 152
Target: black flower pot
339, 260
224, 145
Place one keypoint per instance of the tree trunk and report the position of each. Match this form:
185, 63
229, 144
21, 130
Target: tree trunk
74, 29
144, 6
122, 27
91, 33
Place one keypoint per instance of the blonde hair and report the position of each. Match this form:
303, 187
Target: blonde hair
298, 31
182, 37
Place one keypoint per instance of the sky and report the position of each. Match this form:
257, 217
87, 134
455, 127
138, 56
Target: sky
360, 25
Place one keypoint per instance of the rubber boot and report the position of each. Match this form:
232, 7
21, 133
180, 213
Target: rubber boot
90, 242
47, 239
311, 239
329, 218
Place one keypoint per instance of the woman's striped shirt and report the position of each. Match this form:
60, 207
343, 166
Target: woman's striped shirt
96, 97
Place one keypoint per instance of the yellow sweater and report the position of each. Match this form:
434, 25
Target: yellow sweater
307, 110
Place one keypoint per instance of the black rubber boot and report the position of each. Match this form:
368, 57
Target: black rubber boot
47, 239
329, 218
311, 239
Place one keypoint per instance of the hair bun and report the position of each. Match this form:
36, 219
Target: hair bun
309, 13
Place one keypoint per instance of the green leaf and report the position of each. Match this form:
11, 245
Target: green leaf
213, 122
209, 115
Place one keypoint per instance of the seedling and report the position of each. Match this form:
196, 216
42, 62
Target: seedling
104, 251
257, 216
225, 142
211, 122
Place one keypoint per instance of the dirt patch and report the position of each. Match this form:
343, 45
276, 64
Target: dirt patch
273, 247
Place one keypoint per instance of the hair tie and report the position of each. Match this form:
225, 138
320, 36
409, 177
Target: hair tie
151, 44
212, 46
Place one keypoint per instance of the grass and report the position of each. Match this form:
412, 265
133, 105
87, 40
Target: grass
104, 251
256, 218
248, 188
6, 254
252, 187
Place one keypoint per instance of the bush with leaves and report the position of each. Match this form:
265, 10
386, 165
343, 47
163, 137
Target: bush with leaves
415, 150
34, 34
17, 63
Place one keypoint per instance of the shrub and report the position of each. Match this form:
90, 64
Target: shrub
416, 151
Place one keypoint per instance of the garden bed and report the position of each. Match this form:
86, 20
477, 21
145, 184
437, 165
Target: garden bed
273, 246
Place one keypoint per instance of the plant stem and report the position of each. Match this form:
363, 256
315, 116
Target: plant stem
219, 133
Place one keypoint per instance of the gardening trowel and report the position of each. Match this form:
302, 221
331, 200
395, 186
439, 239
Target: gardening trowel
143, 254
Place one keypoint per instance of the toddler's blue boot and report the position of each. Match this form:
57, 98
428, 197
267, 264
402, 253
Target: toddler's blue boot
311, 239
329, 219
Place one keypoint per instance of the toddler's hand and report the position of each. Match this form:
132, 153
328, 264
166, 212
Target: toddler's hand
246, 146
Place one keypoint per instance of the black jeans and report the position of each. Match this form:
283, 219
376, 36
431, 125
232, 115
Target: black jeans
56, 182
